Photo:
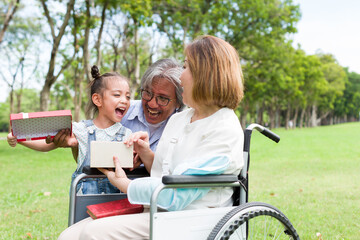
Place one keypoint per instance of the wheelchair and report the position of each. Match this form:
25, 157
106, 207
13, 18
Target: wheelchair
244, 220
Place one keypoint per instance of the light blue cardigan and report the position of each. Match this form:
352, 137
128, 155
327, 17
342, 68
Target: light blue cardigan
140, 189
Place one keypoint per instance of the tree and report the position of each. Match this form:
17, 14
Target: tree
50, 76
10, 12
19, 47
347, 106
182, 20
336, 79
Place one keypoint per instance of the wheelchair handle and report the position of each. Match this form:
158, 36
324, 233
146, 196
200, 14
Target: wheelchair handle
263, 130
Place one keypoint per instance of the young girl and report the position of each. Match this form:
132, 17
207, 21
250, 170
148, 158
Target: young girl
110, 99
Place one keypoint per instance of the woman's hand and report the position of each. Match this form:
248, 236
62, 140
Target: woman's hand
118, 177
12, 140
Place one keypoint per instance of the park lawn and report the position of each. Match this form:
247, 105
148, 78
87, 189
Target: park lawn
311, 175
34, 192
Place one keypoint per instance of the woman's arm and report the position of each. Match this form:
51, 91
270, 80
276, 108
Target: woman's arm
118, 177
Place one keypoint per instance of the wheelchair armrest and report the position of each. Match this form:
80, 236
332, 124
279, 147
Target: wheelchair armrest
193, 179
137, 172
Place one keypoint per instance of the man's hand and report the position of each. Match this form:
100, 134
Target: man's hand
136, 161
63, 139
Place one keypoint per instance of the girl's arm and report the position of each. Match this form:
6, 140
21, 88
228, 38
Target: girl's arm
37, 145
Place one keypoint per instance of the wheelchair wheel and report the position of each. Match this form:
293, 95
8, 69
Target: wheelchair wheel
254, 220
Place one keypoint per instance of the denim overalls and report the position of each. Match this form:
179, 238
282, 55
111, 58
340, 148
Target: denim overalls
95, 185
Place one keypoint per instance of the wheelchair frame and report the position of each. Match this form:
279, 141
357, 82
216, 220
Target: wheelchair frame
244, 210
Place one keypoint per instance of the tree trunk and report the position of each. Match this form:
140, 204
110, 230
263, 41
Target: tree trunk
136, 84
50, 77
287, 117
98, 42
277, 117
86, 43
78, 94
260, 113
302, 115
44, 97
18, 100
295, 117
272, 117
313, 117
13, 6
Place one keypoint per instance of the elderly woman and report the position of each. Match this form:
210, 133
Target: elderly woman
206, 134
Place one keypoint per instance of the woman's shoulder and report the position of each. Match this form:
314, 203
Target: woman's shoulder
184, 114
225, 119
227, 114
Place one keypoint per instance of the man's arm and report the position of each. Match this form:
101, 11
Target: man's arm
63, 139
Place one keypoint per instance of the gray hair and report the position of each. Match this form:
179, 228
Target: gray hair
165, 68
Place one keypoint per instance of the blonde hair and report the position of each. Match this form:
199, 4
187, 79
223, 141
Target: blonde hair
216, 72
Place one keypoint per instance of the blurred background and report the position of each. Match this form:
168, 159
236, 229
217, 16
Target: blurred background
292, 53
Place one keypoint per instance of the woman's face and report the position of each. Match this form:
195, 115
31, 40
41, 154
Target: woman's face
187, 84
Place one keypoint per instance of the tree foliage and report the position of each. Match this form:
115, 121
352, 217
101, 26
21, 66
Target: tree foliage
282, 83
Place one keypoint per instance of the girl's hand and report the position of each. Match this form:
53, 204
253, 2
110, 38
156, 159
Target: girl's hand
12, 140
137, 137
118, 177
140, 140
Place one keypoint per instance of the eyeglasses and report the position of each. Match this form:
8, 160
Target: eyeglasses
160, 100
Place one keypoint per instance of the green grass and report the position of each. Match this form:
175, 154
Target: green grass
34, 192
312, 175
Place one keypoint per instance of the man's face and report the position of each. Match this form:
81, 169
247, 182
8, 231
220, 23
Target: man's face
160, 88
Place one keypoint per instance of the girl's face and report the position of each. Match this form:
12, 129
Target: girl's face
187, 83
114, 101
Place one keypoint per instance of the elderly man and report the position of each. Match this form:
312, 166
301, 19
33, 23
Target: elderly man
160, 98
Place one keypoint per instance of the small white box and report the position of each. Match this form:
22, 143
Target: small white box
102, 152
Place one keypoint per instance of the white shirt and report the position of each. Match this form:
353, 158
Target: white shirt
182, 141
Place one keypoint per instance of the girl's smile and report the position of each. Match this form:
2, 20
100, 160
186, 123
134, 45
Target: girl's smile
113, 103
